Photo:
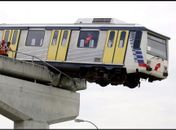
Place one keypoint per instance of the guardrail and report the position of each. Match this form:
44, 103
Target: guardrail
46, 63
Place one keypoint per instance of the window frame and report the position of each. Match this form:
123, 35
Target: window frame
29, 45
122, 45
15, 37
63, 45
163, 43
138, 39
6, 40
56, 37
97, 38
110, 40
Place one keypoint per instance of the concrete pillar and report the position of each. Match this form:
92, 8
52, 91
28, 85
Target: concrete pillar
30, 124
33, 105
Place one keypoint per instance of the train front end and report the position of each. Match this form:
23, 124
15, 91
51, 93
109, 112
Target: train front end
156, 57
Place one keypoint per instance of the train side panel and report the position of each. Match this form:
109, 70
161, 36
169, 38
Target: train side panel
80, 53
39, 50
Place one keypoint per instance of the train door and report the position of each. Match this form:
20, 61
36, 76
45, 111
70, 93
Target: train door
54, 43
7, 35
120, 47
14, 43
58, 45
63, 45
110, 46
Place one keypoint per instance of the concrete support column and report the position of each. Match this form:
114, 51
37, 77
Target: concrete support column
35, 106
30, 124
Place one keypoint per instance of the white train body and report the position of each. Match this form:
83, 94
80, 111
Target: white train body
105, 51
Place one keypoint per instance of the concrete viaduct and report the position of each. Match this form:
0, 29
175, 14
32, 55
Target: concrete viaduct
34, 97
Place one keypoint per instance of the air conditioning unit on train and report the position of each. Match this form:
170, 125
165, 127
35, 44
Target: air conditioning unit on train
99, 21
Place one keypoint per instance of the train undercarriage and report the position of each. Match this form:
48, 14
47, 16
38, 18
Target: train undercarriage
115, 76
102, 75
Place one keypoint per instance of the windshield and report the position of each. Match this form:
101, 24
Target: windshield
157, 46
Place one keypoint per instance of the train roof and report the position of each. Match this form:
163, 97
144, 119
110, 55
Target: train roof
84, 24
2, 26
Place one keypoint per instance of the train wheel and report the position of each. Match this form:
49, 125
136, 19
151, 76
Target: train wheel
103, 83
132, 81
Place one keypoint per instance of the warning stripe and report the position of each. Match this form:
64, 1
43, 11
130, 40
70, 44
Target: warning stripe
137, 52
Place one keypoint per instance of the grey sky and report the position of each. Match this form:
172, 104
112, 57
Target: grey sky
153, 105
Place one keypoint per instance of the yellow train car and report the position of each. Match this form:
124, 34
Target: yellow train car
101, 50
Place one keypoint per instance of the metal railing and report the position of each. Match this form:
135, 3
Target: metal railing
46, 63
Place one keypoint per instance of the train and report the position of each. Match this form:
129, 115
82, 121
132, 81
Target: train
101, 50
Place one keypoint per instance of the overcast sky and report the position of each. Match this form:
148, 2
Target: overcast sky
153, 105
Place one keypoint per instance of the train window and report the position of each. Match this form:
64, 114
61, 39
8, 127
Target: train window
14, 38
88, 39
6, 35
137, 40
55, 36
64, 39
122, 39
157, 46
35, 38
111, 39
